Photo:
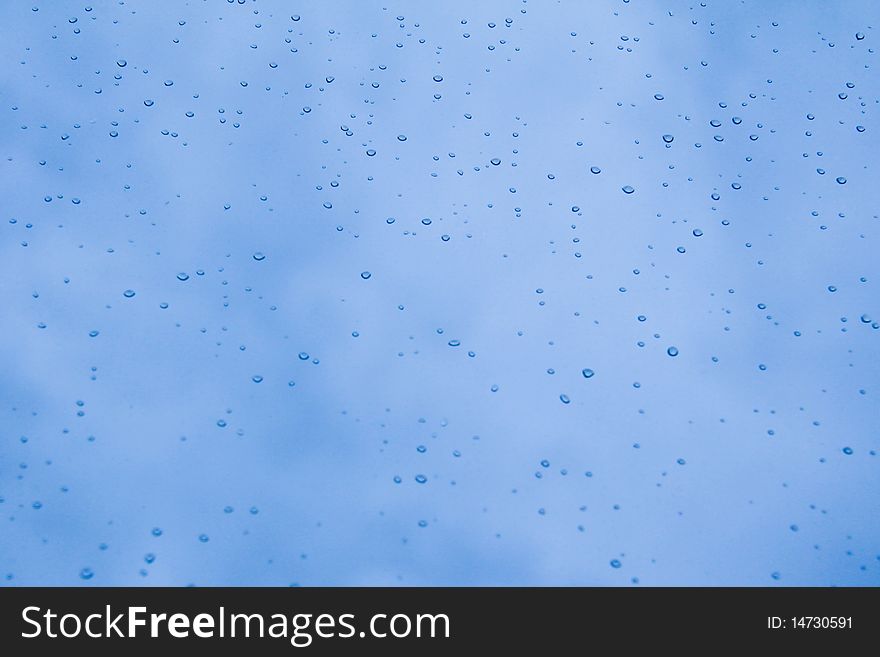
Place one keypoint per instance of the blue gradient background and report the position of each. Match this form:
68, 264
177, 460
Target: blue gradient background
750, 458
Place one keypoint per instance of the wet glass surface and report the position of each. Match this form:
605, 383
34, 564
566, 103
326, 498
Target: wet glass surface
439, 293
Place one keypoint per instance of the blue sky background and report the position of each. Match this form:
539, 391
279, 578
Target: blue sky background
366, 247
